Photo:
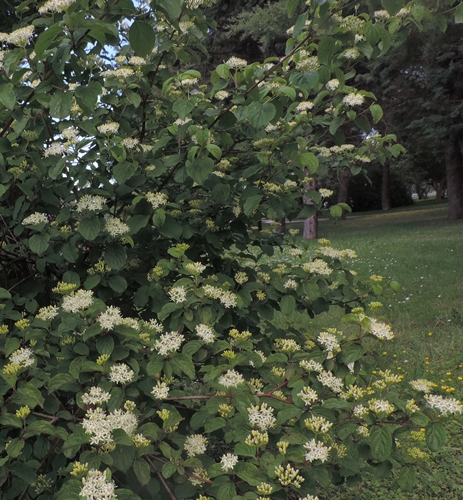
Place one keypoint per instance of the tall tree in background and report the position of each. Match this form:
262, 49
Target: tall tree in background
418, 85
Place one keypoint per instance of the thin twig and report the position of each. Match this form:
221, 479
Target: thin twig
163, 481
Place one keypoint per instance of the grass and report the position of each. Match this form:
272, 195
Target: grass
419, 247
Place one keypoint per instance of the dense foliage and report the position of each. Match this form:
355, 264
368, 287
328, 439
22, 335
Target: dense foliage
138, 341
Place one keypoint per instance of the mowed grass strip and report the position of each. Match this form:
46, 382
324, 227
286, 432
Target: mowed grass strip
419, 247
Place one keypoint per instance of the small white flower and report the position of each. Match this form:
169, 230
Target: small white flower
205, 333
91, 203
316, 450
168, 343
228, 462
77, 301
22, 357
160, 391
261, 416
177, 294
236, 63
231, 379
110, 318
195, 444
35, 219
96, 396
109, 128
120, 373
353, 99
95, 486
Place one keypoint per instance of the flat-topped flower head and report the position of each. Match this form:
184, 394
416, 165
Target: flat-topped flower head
195, 444
120, 373
231, 378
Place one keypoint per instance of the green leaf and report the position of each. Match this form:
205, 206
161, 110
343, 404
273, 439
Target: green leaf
58, 381
142, 38
200, 169
168, 469
335, 124
183, 363
221, 192
124, 171
123, 494
287, 414
249, 473
159, 217
345, 429
380, 442
38, 243
395, 286
245, 450
117, 283
7, 97
260, 114
87, 95
223, 70
45, 39
28, 395
336, 211
376, 112
10, 420
173, 8
407, 479
89, 227
420, 419
310, 161
105, 344
115, 256
182, 107
392, 6
288, 305
142, 471
24, 471
291, 6
123, 458
326, 50
251, 203
4, 294
435, 436
215, 151
60, 104
15, 447
226, 491
214, 424
459, 13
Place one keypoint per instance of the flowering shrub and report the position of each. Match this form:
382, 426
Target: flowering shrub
141, 353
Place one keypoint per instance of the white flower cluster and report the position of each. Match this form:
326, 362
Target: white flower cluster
100, 425
56, 149
288, 476
228, 462
445, 406
157, 199
318, 424
115, 227
231, 379
352, 53
109, 128
316, 450
236, 63
311, 365
55, 6
19, 37
381, 330
290, 284
261, 416
22, 357
353, 99
205, 333
308, 395
333, 84
96, 396
168, 343
120, 373
47, 313
195, 268
330, 344
227, 299
120, 73
35, 219
91, 203
195, 444
381, 406
422, 385
325, 193
177, 294
77, 301
130, 142
318, 266
160, 391
221, 95
330, 381
304, 106
96, 487
110, 318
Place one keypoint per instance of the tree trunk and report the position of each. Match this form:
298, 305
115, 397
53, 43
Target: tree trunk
454, 170
386, 187
310, 224
343, 189
440, 189
282, 227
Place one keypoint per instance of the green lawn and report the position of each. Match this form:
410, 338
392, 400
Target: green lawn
421, 249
